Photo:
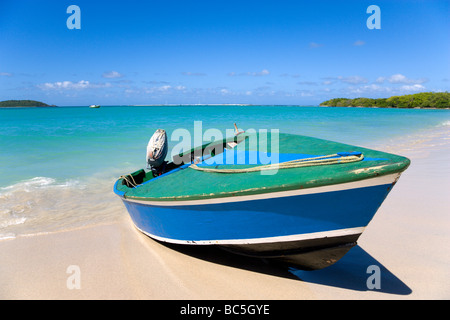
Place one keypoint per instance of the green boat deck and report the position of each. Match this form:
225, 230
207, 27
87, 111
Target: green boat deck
190, 184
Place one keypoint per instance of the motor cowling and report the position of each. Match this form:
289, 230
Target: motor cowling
157, 149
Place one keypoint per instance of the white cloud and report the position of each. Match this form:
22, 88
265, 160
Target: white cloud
196, 74
413, 88
160, 89
69, 85
353, 79
112, 75
373, 89
65, 85
305, 93
6, 74
350, 80
308, 83
263, 72
315, 45
369, 89
359, 43
164, 88
400, 78
156, 82
296, 75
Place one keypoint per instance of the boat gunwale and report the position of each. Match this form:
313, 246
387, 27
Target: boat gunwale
391, 167
249, 195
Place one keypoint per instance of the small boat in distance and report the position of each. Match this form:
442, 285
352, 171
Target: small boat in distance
308, 213
94, 106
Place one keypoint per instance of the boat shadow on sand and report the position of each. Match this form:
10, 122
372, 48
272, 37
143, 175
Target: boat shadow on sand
354, 271
351, 272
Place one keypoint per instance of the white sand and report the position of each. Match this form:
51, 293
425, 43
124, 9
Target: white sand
408, 240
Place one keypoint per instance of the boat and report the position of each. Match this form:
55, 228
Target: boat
93, 106
307, 208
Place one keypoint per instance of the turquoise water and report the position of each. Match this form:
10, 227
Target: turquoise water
73, 142
57, 165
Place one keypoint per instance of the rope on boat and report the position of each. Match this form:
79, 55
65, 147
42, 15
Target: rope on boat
306, 162
134, 184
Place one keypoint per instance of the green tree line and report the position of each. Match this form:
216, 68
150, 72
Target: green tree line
22, 103
418, 100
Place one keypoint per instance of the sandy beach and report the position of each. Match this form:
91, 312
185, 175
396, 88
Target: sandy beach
408, 240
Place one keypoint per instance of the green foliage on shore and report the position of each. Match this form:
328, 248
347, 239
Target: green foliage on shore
419, 100
23, 103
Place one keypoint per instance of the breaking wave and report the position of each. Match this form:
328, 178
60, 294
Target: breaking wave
43, 204
419, 142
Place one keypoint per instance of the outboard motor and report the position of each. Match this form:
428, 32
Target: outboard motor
156, 152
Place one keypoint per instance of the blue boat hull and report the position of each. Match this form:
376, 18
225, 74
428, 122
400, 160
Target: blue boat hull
311, 228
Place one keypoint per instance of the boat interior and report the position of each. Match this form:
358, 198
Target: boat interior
195, 155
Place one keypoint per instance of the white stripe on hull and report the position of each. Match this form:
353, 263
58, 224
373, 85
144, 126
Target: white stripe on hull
296, 237
387, 179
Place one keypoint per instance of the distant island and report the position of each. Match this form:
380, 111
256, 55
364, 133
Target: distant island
23, 103
437, 100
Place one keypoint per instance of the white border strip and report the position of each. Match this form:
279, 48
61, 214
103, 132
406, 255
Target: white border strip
391, 178
295, 237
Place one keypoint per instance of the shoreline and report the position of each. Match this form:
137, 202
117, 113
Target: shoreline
407, 239
230, 105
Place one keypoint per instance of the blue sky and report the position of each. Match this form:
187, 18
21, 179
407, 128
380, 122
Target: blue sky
257, 52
